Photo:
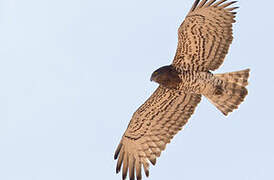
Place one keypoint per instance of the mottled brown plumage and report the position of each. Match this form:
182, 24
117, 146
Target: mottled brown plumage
203, 41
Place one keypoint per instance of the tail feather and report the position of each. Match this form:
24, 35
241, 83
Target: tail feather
233, 91
238, 77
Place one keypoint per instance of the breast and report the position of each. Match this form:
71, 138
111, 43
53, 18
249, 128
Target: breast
192, 82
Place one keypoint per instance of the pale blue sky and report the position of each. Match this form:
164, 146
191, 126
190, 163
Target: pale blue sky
72, 72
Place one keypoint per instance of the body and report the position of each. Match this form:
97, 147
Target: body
225, 91
199, 83
188, 81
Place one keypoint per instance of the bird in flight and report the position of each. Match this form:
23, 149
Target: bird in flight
203, 42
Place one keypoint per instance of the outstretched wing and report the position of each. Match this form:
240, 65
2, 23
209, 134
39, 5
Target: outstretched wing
152, 126
205, 36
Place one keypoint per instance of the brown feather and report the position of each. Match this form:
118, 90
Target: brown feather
218, 3
194, 5
209, 3
152, 159
119, 162
202, 3
227, 4
117, 151
138, 170
231, 9
146, 168
125, 166
131, 167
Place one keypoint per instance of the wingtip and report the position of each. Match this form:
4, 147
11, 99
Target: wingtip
117, 170
117, 151
223, 6
124, 176
131, 177
153, 160
195, 4
147, 173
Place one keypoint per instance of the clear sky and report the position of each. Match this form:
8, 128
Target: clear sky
72, 72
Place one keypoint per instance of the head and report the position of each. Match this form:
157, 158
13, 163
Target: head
166, 76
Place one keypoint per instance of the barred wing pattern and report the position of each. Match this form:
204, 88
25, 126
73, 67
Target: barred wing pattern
152, 126
205, 36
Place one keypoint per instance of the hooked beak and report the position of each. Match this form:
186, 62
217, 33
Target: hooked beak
151, 78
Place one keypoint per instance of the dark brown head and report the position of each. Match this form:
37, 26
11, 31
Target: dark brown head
166, 76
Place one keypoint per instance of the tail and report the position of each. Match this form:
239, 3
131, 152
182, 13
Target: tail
232, 92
